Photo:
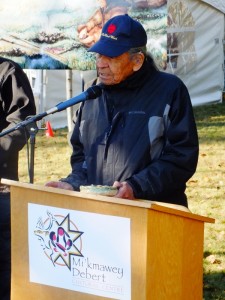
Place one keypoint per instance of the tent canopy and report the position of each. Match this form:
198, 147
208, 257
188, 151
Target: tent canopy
218, 4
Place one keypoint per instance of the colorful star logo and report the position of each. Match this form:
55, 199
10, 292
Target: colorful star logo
61, 240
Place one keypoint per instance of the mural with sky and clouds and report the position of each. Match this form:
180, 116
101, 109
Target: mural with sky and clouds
55, 34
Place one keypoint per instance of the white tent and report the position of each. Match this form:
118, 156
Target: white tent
218, 4
195, 47
195, 53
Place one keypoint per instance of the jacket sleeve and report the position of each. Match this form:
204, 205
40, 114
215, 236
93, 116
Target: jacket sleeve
169, 173
17, 102
78, 176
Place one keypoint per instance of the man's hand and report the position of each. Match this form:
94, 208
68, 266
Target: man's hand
125, 191
60, 185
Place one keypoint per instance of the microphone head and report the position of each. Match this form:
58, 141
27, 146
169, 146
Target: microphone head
94, 92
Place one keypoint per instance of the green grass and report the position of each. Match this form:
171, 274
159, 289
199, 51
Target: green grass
206, 193
205, 190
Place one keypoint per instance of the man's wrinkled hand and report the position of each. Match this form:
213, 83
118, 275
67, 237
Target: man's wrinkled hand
59, 185
125, 191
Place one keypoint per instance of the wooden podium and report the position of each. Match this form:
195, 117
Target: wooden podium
166, 244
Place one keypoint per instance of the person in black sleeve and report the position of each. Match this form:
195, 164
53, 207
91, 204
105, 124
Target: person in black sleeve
140, 134
16, 103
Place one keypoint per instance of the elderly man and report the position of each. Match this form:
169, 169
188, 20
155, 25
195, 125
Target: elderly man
140, 134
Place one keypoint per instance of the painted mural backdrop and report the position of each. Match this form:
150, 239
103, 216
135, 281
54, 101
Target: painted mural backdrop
55, 34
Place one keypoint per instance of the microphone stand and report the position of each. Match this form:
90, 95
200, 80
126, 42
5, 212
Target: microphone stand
32, 128
30, 124
27, 121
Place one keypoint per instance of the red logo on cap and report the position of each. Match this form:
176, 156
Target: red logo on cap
111, 28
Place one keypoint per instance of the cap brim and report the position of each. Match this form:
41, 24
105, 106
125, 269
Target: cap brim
108, 49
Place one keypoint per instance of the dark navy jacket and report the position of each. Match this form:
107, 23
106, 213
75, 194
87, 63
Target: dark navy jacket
141, 131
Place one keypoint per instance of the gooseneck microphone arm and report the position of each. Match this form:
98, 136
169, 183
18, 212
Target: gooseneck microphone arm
91, 93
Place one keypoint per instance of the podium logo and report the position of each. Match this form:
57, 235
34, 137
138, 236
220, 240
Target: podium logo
59, 238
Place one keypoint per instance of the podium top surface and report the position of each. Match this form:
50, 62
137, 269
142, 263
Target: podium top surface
169, 208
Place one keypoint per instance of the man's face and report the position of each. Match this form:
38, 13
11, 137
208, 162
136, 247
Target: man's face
114, 70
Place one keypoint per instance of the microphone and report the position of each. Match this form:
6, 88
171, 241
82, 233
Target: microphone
91, 93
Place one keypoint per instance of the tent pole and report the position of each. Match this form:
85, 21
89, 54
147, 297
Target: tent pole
69, 91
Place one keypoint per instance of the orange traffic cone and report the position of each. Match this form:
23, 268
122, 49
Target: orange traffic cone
49, 131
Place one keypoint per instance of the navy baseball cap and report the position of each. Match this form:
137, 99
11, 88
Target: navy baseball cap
120, 34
